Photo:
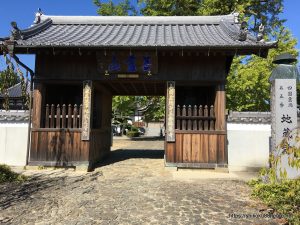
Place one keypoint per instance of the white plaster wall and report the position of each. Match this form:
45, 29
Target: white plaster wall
248, 146
13, 144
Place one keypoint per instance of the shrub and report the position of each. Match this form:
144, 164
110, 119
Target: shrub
133, 134
7, 175
283, 196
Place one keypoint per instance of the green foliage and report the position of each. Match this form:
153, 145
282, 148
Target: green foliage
254, 11
8, 78
134, 132
284, 197
274, 188
123, 106
169, 7
122, 8
153, 107
11, 76
248, 87
7, 175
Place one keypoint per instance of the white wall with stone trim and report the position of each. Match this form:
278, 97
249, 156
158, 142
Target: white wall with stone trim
248, 146
13, 143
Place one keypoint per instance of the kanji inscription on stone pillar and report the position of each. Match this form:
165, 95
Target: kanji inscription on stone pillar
86, 110
170, 112
284, 109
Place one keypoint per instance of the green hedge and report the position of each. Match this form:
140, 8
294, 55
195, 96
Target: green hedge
7, 175
133, 134
284, 197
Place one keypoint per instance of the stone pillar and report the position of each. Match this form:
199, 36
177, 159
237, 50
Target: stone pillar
283, 110
86, 110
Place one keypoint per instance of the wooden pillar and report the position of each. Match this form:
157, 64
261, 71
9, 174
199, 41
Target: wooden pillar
220, 105
86, 110
38, 93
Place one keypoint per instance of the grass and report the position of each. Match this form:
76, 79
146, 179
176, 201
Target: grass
283, 196
7, 175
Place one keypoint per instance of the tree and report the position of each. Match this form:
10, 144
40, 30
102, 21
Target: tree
153, 107
8, 78
11, 76
248, 87
170, 7
122, 8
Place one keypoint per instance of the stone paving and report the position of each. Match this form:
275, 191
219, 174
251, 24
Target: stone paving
132, 187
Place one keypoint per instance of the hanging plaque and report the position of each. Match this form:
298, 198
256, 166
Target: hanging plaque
86, 110
124, 62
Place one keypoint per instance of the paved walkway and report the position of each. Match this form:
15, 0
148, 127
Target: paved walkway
133, 187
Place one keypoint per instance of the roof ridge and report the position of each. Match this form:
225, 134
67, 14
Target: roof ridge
137, 19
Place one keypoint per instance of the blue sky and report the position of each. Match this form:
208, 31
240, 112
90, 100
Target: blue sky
23, 12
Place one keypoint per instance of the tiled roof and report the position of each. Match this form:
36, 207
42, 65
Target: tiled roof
249, 117
14, 116
137, 31
16, 91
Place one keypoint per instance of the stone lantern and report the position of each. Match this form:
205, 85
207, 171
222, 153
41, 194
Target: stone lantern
283, 108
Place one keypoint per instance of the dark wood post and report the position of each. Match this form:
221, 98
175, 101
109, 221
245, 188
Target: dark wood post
206, 117
58, 116
212, 115
195, 119
183, 120
47, 117
178, 114
52, 119
220, 104
189, 123
200, 127
80, 116
70, 116
37, 105
75, 116
63, 119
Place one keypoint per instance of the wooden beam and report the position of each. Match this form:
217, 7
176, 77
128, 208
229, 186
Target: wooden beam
134, 87
102, 88
145, 88
124, 88
111, 85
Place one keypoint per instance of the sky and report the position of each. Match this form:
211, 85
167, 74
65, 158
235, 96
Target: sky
23, 12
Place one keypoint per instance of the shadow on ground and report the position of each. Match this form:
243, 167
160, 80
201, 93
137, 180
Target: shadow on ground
16, 192
124, 154
150, 138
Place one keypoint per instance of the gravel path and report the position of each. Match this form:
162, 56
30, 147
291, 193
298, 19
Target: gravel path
132, 187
